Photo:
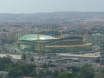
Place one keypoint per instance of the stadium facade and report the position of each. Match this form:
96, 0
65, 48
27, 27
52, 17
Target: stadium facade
35, 42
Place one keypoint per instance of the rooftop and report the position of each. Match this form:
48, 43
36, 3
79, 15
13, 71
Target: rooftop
87, 55
31, 37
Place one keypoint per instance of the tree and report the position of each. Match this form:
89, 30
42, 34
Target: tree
32, 59
48, 72
41, 73
55, 74
12, 73
0, 76
6, 59
45, 65
63, 75
99, 74
33, 74
62, 70
23, 57
87, 71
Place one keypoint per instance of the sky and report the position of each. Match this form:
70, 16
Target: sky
38, 6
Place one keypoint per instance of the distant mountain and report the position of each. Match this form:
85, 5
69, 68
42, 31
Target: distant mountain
52, 17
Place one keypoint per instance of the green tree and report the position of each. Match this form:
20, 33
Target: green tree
62, 70
41, 72
23, 57
48, 72
28, 69
33, 74
45, 65
99, 74
18, 71
64, 75
12, 73
32, 59
0, 76
55, 74
87, 71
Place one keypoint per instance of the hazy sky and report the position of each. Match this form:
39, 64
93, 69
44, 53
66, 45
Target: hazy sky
36, 6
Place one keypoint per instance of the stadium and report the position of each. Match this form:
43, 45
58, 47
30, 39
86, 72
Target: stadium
38, 42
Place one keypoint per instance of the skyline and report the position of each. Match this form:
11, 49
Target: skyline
38, 6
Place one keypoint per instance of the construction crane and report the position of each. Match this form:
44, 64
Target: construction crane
15, 37
15, 40
84, 37
38, 44
60, 36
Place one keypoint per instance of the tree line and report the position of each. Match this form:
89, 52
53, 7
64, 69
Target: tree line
20, 69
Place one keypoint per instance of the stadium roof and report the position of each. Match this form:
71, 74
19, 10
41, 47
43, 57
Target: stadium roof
31, 37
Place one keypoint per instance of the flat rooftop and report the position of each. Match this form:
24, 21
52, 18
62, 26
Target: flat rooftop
87, 55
